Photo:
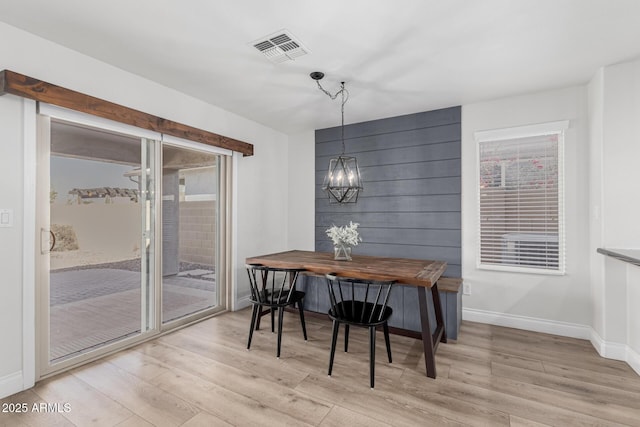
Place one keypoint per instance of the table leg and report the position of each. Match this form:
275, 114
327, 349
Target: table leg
430, 341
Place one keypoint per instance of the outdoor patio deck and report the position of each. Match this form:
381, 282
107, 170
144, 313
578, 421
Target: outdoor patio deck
93, 306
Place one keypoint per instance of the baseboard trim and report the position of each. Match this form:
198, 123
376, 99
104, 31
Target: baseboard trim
633, 359
564, 329
616, 351
610, 350
11, 384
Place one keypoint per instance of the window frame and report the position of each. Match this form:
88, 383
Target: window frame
558, 128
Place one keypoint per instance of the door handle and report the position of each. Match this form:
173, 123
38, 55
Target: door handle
47, 241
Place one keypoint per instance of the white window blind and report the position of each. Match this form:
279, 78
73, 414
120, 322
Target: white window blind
521, 198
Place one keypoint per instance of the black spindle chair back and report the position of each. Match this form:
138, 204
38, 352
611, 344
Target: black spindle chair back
359, 302
274, 289
370, 310
272, 285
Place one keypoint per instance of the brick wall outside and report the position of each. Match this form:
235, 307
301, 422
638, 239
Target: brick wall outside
197, 232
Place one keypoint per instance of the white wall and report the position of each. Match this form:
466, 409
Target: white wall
302, 166
595, 91
614, 109
262, 215
547, 303
633, 318
261, 226
621, 155
11, 165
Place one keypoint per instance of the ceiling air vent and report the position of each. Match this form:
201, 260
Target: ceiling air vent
280, 46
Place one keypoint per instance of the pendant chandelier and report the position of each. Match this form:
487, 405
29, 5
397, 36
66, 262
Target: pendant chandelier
342, 182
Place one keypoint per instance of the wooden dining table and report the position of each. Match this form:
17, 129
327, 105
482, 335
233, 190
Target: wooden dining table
423, 274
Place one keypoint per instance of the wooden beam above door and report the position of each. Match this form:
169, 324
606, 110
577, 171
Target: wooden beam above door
27, 87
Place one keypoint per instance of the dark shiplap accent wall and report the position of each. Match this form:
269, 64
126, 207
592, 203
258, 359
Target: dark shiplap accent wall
410, 206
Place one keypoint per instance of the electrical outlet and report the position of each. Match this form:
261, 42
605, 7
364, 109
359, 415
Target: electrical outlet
6, 217
466, 289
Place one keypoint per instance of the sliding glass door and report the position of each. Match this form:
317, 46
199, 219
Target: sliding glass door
118, 262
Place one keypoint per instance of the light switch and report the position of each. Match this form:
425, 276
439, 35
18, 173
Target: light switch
6, 217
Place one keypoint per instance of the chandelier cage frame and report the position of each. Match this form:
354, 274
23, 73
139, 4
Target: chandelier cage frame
343, 181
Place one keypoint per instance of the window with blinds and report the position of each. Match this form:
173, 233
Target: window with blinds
521, 198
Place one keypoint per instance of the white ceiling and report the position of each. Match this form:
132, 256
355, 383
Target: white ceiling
396, 56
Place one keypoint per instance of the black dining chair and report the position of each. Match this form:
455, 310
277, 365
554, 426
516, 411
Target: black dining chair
274, 289
362, 303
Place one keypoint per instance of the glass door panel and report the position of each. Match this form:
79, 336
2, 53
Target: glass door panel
130, 238
99, 276
189, 232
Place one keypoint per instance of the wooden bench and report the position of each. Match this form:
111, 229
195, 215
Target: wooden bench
450, 299
450, 284
450, 289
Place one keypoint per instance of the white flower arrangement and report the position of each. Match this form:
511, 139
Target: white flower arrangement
345, 235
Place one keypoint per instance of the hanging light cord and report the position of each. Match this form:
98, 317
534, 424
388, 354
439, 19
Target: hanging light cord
345, 97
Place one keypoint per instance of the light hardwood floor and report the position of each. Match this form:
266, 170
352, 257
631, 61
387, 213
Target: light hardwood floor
203, 376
